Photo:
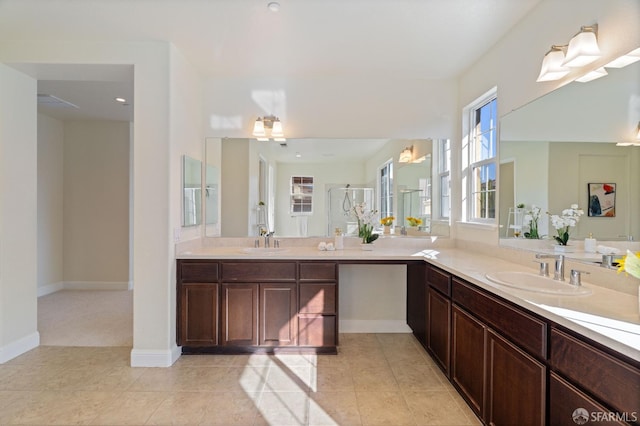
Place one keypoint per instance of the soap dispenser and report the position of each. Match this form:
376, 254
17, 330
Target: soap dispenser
590, 244
338, 241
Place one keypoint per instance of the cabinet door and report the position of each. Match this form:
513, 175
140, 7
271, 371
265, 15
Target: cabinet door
439, 327
565, 399
515, 385
468, 357
417, 301
198, 322
240, 314
278, 314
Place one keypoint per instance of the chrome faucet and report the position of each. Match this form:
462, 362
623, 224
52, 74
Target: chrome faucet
267, 239
558, 272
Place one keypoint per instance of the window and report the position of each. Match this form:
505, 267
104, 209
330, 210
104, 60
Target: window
444, 172
386, 189
301, 195
482, 151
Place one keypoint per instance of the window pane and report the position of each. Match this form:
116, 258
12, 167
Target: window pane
484, 189
444, 196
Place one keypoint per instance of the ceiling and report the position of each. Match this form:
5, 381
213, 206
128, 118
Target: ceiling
413, 39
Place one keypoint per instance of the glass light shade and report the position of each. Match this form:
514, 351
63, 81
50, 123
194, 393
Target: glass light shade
552, 68
258, 128
625, 60
592, 75
583, 49
276, 130
405, 156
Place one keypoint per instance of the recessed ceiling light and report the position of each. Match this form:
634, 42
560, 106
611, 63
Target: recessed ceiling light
298, 155
274, 6
121, 100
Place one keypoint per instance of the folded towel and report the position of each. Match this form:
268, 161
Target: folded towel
607, 250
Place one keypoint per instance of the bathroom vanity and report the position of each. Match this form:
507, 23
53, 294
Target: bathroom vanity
512, 357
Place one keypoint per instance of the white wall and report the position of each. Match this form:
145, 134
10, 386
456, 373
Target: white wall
18, 214
152, 176
96, 202
50, 204
332, 107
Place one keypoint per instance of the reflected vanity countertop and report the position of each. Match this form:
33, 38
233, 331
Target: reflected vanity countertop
607, 316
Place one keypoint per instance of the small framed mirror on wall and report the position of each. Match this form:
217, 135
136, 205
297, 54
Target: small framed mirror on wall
191, 191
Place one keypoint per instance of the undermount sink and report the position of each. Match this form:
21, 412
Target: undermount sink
266, 251
536, 283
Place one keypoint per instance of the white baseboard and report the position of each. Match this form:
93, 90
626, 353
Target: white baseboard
96, 285
20, 346
50, 288
84, 285
155, 358
374, 326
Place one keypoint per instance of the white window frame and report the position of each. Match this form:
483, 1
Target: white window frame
469, 166
302, 194
444, 175
389, 201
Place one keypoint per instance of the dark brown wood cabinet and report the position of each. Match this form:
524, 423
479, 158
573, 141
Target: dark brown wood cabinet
417, 301
199, 314
255, 306
500, 380
565, 399
609, 380
439, 327
278, 315
198, 304
515, 385
468, 350
239, 314
438, 316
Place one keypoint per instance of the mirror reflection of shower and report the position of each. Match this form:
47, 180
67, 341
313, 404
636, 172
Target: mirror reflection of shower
341, 201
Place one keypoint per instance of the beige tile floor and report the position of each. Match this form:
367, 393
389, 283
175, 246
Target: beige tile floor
376, 379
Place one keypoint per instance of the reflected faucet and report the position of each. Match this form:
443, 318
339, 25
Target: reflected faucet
558, 272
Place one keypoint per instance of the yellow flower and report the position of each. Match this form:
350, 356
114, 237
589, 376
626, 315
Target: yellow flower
414, 221
630, 264
387, 221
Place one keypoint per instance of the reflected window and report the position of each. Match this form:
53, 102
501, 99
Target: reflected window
301, 195
444, 173
482, 151
386, 189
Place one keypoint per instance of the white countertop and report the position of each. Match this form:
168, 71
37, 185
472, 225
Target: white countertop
606, 316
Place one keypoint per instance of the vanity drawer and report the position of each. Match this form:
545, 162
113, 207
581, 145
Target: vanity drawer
198, 272
318, 298
605, 377
439, 280
256, 271
523, 329
318, 271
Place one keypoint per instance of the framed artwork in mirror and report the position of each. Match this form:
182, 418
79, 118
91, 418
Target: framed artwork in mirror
602, 199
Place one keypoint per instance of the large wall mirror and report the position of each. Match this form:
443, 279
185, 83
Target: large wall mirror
300, 188
554, 147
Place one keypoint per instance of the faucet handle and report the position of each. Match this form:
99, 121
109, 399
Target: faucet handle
544, 268
575, 277
276, 243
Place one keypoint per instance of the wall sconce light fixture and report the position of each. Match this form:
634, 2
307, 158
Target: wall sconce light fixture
406, 156
632, 143
582, 50
583, 47
268, 126
552, 68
